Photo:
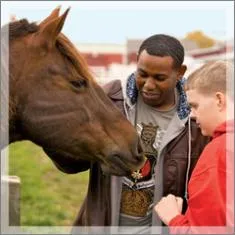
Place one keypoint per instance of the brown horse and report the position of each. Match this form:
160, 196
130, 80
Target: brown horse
55, 103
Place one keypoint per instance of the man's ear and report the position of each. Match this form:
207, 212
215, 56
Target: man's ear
181, 71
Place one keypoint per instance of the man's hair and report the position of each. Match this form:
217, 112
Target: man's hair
215, 76
163, 45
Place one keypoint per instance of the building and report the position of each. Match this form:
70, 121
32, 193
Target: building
117, 61
102, 55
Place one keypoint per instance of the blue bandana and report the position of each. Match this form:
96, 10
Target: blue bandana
183, 108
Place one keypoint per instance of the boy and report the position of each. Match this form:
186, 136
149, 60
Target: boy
212, 106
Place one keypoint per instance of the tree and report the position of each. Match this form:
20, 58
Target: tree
201, 39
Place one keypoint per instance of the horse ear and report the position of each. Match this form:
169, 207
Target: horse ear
54, 14
51, 29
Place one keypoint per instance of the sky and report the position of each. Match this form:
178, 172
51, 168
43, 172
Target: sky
116, 21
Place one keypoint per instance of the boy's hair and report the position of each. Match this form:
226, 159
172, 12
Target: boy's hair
212, 77
163, 45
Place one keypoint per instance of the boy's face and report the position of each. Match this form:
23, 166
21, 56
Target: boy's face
204, 108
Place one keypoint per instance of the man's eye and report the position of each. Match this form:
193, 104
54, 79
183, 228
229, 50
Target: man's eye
159, 78
143, 75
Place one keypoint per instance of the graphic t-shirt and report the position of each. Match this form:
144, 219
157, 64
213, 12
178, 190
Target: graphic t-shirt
138, 188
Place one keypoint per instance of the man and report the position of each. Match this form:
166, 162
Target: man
153, 100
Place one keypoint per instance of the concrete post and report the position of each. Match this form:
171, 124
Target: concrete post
14, 200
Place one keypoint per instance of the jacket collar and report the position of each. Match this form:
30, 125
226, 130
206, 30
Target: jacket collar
183, 108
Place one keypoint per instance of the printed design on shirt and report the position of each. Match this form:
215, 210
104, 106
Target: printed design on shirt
136, 202
137, 192
147, 136
158, 139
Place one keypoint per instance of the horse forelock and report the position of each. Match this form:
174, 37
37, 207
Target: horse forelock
21, 28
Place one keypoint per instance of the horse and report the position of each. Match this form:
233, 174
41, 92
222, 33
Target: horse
55, 102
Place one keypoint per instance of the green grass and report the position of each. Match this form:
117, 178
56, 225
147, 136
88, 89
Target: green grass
48, 197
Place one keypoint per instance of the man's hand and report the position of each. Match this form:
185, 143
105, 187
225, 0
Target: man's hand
168, 207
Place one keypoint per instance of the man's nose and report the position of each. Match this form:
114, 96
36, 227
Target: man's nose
149, 83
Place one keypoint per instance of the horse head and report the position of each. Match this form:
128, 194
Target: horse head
55, 103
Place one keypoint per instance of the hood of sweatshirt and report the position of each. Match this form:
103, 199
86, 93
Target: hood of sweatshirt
131, 93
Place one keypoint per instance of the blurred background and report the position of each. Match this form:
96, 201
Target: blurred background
108, 35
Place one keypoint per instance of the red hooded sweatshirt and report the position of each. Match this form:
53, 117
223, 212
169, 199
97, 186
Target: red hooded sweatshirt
208, 204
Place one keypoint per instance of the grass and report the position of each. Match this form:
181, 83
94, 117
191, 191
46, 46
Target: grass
48, 197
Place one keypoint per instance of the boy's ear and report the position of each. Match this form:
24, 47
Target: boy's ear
181, 71
220, 100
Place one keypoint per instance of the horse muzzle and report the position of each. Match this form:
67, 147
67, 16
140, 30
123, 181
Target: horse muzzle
122, 164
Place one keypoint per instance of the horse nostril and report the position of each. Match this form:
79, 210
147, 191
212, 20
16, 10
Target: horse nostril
114, 156
139, 157
120, 157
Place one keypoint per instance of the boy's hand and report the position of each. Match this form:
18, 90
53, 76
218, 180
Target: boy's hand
179, 201
169, 207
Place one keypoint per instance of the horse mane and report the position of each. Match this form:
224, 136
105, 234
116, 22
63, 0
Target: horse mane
23, 27
68, 50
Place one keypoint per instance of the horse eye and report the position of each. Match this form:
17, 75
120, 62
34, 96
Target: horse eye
79, 83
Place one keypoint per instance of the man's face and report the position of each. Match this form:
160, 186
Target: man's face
156, 80
204, 110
